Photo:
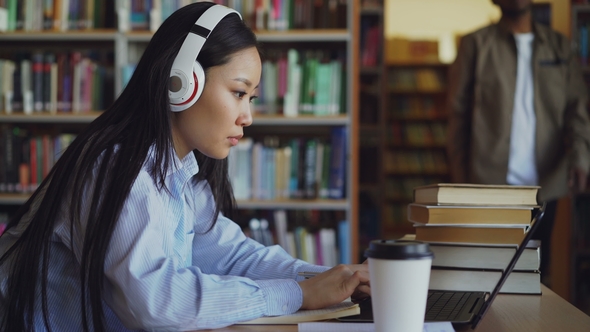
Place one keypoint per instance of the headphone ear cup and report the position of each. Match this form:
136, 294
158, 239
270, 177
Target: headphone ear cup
199, 80
196, 86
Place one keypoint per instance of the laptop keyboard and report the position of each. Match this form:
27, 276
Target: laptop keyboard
444, 306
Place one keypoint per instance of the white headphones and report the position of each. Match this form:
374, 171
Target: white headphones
184, 90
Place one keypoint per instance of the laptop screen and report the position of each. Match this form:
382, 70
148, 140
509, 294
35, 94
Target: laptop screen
534, 224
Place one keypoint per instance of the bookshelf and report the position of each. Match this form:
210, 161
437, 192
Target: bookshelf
414, 136
402, 92
370, 115
124, 47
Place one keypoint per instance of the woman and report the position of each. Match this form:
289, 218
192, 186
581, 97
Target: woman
130, 229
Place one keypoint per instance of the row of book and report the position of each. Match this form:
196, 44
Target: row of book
297, 82
59, 15
64, 15
27, 157
258, 14
292, 14
54, 82
404, 50
325, 244
474, 231
300, 169
412, 107
306, 82
417, 134
414, 162
423, 79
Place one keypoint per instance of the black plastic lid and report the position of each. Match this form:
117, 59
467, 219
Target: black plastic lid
398, 249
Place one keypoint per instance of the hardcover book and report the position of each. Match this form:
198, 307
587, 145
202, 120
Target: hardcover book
454, 214
476, 194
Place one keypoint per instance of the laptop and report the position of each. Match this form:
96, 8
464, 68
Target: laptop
460, 308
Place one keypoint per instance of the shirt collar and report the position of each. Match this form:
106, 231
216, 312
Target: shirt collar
539, 31
186, 167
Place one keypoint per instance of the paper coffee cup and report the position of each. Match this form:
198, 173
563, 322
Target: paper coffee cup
399, 275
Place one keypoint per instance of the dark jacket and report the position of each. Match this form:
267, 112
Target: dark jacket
481, 99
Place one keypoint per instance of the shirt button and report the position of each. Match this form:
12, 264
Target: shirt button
285, 308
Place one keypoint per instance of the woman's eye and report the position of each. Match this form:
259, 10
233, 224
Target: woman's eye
240, 94
252, 98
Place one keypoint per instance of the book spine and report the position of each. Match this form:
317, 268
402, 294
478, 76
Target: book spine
25, 165
49, 59
338, 163
37, 69
310, 185
344, 242
16, 100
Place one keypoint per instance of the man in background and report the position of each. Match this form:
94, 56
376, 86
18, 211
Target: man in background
518, 112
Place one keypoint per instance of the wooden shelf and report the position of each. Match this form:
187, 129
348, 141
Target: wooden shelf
49, 118
13, 199
51, 35
259, 120
310, 35
302, 120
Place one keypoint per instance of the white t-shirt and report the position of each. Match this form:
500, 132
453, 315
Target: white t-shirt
522, 168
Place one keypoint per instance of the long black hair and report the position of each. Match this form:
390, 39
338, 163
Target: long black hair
112, 150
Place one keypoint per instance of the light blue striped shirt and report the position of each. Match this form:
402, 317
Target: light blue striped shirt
164, 271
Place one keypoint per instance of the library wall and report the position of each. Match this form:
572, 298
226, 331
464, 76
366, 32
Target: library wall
433, 19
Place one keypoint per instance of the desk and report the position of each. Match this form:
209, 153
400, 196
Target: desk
514, 313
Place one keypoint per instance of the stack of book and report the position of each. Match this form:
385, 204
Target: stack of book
474, 231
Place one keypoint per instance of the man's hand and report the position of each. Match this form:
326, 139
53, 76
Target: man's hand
335, 285
577, 180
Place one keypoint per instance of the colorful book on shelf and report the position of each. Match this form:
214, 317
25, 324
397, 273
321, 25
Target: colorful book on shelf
11, 156
475, 194
344, 241
337, 181
346, 308
323, 83
269, 84
308, 86
468, 214
291, 99
310, 177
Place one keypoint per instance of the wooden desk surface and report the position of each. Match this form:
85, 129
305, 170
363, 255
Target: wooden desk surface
514, 313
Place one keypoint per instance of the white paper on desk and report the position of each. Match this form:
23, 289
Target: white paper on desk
364, 327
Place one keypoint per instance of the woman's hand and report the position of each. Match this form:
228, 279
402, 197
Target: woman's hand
335, 285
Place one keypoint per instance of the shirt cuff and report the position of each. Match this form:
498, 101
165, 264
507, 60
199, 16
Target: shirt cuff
283, 296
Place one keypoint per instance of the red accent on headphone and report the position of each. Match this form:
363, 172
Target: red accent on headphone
194, 91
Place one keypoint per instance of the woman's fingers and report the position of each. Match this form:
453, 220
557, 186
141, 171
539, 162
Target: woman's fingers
335, 285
